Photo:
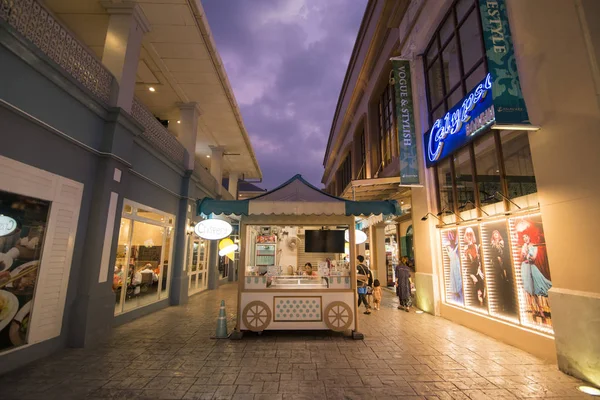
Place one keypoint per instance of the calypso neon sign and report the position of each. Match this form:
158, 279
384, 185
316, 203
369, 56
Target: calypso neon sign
460, 117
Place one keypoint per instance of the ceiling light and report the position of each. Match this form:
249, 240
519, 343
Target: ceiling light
589, 390
402, 202
178, 121
151, 89
207, 156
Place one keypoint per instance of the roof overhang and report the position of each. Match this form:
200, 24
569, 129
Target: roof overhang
375, 189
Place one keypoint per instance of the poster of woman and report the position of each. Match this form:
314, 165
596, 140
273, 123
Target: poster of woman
499, 271
533, 268
452, 272
473, 272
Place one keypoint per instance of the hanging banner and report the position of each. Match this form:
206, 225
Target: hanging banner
405, 121
509, 105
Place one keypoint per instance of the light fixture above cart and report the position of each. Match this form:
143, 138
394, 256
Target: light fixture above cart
359, 236
213, 229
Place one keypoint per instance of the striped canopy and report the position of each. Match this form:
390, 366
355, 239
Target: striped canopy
297, 197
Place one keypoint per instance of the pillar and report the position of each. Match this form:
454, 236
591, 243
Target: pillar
179, 280
126, 28
378, 252
233, 184
94, 304
216, 165
188, 130
568, 190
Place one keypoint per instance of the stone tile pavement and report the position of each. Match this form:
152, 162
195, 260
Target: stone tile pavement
169, 355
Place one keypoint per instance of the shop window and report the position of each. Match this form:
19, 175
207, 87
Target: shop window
488, 170
520, 178
465, 188
23, 222
141, 272
388, 140
449, 71
445, 193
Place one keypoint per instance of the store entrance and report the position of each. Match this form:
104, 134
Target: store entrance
198, 266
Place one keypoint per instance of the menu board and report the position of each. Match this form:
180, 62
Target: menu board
20, 258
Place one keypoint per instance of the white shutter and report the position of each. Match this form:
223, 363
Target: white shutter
59, 239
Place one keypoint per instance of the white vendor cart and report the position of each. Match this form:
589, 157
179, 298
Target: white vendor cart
294, 272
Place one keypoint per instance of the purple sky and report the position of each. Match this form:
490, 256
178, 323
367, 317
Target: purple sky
286, 61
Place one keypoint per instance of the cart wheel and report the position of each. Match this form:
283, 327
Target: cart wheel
338, 316
256, 316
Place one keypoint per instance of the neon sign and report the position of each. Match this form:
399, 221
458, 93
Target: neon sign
462, 121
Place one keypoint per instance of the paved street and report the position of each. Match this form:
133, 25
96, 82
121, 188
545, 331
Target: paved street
168, 355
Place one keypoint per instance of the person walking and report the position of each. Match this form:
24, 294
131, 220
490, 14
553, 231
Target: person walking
362, 279
403, 285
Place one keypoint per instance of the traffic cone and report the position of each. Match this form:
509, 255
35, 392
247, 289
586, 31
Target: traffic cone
222, 323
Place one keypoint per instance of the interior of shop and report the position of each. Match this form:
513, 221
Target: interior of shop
142, 262
297, 256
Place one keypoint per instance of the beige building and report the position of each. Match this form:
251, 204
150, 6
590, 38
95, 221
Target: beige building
501, 222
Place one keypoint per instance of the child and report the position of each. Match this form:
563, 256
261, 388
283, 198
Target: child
377, 294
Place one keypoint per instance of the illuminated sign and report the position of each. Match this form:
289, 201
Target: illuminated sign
228, 248
462, 121
7, 225
213, 229
359, 236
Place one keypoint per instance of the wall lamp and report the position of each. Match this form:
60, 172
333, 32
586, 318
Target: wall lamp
434, 216
495, 197
474, 205
446, 211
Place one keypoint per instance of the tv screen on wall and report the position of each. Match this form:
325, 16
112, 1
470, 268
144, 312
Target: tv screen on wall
319, 241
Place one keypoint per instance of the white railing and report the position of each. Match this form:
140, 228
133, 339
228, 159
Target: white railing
32, 20
157, 134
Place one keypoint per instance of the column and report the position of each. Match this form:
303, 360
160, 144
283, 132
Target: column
126, 28
216, 165
213, 265
179, 280
233, 184
378, 250
188, 130
94, 302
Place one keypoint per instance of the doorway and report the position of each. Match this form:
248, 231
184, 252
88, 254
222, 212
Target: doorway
198, 266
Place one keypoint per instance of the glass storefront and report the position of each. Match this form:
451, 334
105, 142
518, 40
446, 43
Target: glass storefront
197, 265
144, 253
23, 222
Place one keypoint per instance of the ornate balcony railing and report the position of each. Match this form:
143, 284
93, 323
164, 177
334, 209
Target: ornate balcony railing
32, 20
157, 134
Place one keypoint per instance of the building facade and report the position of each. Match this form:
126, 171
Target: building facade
500, 197
116, 117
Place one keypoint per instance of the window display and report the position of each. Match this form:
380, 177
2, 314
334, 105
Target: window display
279, 258
473, 272
452, 271
532, 271
21, 241
141, 273
499, 271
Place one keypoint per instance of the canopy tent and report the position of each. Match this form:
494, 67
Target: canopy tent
297, 197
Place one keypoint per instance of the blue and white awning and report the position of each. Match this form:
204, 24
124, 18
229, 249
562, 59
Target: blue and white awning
297, 197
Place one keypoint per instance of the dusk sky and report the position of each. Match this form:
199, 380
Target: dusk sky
286, 61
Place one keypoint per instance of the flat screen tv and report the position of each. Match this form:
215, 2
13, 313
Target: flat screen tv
319, 241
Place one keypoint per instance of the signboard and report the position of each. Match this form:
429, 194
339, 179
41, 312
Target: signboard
7, 225
405, 117
461, 123
213, 229
496, 102
508, 99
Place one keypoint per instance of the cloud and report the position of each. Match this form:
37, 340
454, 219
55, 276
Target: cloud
286, 60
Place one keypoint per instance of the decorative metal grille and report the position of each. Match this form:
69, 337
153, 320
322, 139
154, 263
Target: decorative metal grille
156, 134
34, 22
